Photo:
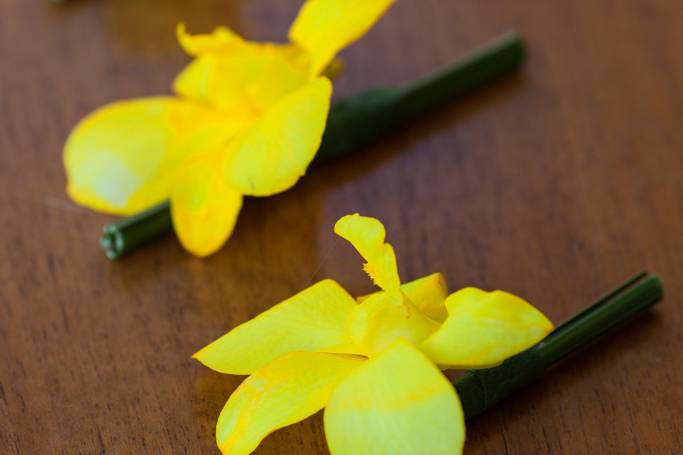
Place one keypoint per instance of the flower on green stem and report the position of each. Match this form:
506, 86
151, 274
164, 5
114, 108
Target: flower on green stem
373, 363
247, 119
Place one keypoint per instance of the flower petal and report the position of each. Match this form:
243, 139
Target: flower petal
378, 322
485, 328
245, 81
221, 41
396, 403
324, 27
117, 151
204, 210
284, 392
367, 235
120, 158
271, 155
427, 293
312, 320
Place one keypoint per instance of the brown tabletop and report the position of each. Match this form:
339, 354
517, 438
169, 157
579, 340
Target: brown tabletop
555, 184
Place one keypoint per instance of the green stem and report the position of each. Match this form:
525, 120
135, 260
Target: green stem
134, 231
372, 114
481, 389
353, 123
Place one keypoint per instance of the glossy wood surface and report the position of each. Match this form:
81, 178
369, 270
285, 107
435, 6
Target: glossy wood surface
555, 184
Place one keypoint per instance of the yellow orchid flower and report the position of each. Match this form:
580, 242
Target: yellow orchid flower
374, 363
247, 119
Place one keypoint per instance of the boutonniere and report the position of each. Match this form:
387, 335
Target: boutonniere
373, 363
247, 119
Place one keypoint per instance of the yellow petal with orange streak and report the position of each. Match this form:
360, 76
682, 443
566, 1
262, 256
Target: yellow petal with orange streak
283, 392
396, 403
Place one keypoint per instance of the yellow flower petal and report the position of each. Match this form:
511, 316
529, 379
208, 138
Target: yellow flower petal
427, 293
271, 155
396, 403
246, 81
117, 151
367, 235
378, 322
312, 320
120, 158
485, 328
204, 210
221, 41
324, 27
281, 393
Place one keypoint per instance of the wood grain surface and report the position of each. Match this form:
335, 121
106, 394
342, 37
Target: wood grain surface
554, 184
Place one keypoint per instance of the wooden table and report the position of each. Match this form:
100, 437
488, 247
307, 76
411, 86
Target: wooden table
555, 184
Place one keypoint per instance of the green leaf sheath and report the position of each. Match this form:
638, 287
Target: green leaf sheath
479, 390
354, 122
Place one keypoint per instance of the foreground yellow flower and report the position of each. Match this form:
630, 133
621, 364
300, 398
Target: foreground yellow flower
374, 363
247, 120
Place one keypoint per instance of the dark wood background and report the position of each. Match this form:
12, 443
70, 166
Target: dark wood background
555, 184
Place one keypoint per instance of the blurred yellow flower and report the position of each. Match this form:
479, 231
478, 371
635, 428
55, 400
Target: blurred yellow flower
247, 120
373, 363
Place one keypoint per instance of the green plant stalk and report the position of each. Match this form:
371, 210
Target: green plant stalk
353, 123
479, 390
